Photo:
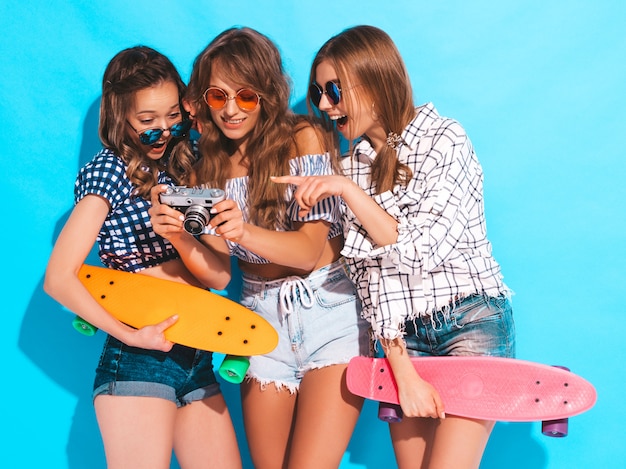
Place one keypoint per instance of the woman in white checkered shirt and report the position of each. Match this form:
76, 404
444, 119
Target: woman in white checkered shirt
415, 236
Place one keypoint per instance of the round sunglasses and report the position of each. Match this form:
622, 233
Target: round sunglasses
246, 99
331, 89
151, 136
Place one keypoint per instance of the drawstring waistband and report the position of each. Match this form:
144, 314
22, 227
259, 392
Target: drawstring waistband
295, 289
292, 288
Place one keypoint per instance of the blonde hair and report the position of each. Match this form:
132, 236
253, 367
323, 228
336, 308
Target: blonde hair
367, 61
132, 70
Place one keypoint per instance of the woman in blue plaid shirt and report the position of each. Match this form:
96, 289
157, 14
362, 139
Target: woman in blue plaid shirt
150, 395
415, 234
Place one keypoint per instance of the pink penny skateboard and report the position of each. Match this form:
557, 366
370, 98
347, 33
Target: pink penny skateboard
488, 388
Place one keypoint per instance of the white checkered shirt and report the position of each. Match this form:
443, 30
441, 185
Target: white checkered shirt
442, 251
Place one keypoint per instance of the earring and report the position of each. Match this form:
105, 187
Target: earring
373, 113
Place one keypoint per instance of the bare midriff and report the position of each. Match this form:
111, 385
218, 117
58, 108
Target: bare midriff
332, 252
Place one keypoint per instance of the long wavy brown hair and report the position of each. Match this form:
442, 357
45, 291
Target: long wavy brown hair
366, 60
132, 70
251, 60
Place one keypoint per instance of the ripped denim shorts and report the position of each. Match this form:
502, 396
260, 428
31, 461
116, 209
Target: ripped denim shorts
474, 325
318, 320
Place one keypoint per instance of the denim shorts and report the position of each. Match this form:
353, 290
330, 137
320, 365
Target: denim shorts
182, 375
318, 320
474, 325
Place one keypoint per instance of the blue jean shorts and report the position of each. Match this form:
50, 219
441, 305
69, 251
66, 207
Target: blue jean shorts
318, 320
182, 375
474, 325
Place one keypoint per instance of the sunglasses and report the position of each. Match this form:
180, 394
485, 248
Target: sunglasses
151, 136
246, 99
332, 90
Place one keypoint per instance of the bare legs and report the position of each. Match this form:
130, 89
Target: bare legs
205, 437
140, 432
267, 416
310, 429
452, 443
325, 419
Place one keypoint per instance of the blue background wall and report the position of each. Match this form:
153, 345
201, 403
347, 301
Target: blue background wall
539, 85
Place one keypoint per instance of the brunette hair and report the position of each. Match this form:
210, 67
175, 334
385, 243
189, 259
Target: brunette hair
367, 61
251, 60
130, 71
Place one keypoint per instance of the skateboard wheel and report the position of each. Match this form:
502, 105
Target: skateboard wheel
84, 327
233, 368
390, 413
555, 428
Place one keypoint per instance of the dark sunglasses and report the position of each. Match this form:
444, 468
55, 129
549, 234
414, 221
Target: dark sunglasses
246, 99
151, 136
332, 90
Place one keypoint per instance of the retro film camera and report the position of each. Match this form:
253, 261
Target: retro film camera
195, 203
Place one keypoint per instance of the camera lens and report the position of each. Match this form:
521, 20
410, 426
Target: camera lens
196, 218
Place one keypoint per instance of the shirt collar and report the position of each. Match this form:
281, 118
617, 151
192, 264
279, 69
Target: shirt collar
364, 151
424, 115
411, 134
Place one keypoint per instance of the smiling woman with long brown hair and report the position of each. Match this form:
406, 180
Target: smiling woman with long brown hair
293, 272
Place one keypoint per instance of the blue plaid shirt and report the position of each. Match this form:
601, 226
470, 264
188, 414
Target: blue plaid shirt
126, 239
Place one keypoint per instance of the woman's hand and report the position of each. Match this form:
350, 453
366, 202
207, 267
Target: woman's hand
152, 337
417, 397
166, 221
227, 219
380, 226
312, 189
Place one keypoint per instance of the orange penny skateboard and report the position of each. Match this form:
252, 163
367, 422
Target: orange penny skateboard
488, 388
207, 321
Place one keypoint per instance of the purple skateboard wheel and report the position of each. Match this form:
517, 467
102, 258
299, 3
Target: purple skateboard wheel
390, 413
554, 428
